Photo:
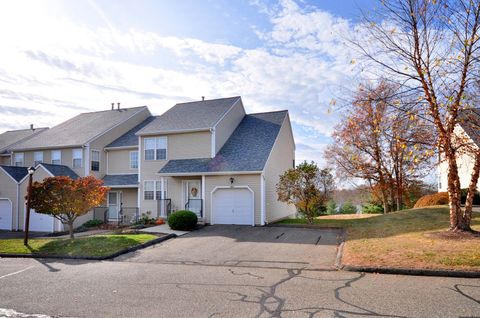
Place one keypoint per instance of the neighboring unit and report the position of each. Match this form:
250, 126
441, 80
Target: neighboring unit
468, 132
213, 159
12, 137
75, 148
207, 156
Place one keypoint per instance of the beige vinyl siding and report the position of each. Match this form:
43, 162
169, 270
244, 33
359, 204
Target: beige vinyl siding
119, 161
179, 146
129, 197
250, 180
465, 163
66, 158
8, 190
228, 124
5, 160
281, 159
101, 142
189, 145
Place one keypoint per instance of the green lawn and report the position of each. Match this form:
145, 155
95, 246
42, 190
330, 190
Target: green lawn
98, 245
402, 239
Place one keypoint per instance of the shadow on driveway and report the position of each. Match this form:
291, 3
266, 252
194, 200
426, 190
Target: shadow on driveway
246, 246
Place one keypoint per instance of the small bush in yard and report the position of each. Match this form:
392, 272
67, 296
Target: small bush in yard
440, 198
92, 223
182, 220
372, 208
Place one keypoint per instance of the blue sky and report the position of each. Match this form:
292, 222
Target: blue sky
59, 58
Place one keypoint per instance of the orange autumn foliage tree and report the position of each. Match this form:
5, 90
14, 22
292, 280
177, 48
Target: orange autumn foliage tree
66, 199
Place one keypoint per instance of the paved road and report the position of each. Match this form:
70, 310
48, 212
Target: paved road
220, 278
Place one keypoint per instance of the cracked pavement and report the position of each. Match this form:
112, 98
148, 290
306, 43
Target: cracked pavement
227, 272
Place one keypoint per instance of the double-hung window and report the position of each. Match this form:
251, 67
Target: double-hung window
149, 190
152, 190
95, 160
56, 157
155, 148
37, 157
77, 156
19, 159
133, 159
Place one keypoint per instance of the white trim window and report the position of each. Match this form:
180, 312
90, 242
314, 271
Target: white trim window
95, 160
149, 190
133, 160
152, 190
37, 157
19, 159
56, 157
155, 148
77, 158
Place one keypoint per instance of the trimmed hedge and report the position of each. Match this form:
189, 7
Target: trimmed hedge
93, 223
182, 220
440, 198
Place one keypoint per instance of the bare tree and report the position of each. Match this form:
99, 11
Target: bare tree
431, 47
380, 144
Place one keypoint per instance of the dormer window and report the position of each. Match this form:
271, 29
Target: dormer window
77, 156
18, 159
95, 160
56, 157
37, 157
156, 148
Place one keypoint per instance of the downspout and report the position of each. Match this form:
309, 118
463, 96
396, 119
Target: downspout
87, 159
262, 200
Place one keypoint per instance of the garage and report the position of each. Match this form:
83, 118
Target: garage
40, 222
5, 214
233, 206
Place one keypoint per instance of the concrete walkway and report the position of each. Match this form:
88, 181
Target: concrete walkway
163, 229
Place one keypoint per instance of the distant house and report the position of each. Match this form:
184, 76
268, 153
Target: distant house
468, 130
10, 138
207, 156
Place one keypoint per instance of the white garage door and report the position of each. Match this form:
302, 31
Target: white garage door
5, 214
232, 206
40, 222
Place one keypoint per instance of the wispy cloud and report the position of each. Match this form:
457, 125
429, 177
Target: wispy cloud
51, 63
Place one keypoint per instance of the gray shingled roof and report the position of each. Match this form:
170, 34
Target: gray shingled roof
120, 180
80, 129
9, 138
469, 120
247, 149
129, 138
200, 115
17, 173
60, 170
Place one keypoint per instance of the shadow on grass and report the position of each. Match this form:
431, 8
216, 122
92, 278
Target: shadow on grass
393, 224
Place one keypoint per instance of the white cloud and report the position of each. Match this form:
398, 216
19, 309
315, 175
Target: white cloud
54, 65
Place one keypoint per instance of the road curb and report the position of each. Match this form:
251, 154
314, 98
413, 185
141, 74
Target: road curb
410, 271
399, 271
93, 258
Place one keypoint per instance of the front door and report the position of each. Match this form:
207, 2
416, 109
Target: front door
114, 204
193, 196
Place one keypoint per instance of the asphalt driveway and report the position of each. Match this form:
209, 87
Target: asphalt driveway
246, 246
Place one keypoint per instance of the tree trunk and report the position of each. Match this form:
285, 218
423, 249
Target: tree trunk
454, 194
70, 230
467, 214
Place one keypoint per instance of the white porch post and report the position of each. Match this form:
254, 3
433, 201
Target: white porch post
203, 198
162, 189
